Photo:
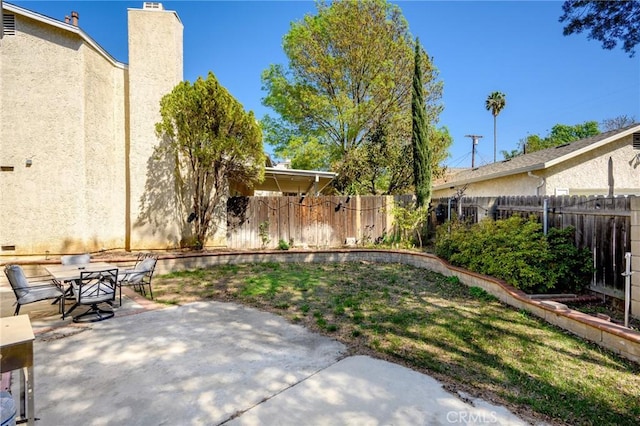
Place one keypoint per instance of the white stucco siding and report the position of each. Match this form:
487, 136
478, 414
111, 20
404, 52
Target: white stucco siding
42, 115
105, 191
588, 174
155, 68
519, 184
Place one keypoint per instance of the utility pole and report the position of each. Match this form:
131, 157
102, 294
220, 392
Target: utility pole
474, 138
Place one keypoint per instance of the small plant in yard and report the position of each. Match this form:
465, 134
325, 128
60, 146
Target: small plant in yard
409, 223
283, 245
263, 231
481, 294
434, 324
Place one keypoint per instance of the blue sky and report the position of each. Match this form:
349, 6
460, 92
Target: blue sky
515, 47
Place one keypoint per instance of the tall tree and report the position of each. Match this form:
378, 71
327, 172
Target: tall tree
495, 103
609, 22
618, 122
420, 135
212, 139
349, 74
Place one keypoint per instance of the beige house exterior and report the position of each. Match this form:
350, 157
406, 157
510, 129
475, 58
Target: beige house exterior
606, 164
77, 133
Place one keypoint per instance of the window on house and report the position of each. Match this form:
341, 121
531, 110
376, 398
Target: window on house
8, 24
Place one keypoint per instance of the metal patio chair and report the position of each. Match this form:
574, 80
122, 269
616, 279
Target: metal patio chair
75, 259
140, 276
94, 288
29, 292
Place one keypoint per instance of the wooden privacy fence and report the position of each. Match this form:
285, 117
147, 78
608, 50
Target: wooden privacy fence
326, 221
603, 225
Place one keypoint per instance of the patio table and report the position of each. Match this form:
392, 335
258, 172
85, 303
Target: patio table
65, 274
62, 273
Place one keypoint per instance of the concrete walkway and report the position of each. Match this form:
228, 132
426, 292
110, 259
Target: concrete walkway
211, 363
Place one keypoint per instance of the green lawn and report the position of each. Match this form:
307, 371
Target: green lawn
434, 324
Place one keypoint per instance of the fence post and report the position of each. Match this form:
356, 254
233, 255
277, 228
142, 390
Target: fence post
359, 230
390, 204
635, 256
545, 216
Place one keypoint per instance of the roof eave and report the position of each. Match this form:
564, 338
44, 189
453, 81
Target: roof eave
591, 147
541, 166
64, 26
525, 169
299, 172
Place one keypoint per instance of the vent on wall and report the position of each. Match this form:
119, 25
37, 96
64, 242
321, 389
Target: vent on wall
636, 141
8, 24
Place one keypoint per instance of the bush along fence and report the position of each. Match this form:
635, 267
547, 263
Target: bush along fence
609, 227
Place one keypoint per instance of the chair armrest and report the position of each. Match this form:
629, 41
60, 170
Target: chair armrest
39, 284
42, 285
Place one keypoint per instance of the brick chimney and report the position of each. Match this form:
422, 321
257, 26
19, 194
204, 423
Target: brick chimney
67, 19
74, 17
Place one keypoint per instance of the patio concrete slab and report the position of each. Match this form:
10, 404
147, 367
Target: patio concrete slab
362, 391
210, 363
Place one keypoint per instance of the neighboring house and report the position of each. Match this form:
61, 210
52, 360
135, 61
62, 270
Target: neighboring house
606, 164
77, 138
281, 179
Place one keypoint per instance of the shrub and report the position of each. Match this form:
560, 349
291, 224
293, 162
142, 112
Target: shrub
573, 266
283, 245
409, 221
517, 251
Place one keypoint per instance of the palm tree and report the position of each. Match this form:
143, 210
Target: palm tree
494, 103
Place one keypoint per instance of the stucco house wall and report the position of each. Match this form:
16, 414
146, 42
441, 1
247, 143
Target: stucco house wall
104, 132
520, 184
155, 215
588, 174
50, 80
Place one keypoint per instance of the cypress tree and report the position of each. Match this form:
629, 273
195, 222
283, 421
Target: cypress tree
419, 137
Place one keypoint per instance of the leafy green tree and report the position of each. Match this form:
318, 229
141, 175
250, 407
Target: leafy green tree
349, 74
384, 165
508, 155
495, 103
365, 169
560, 134
609, 22
304, 153
212, 139
420, 136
